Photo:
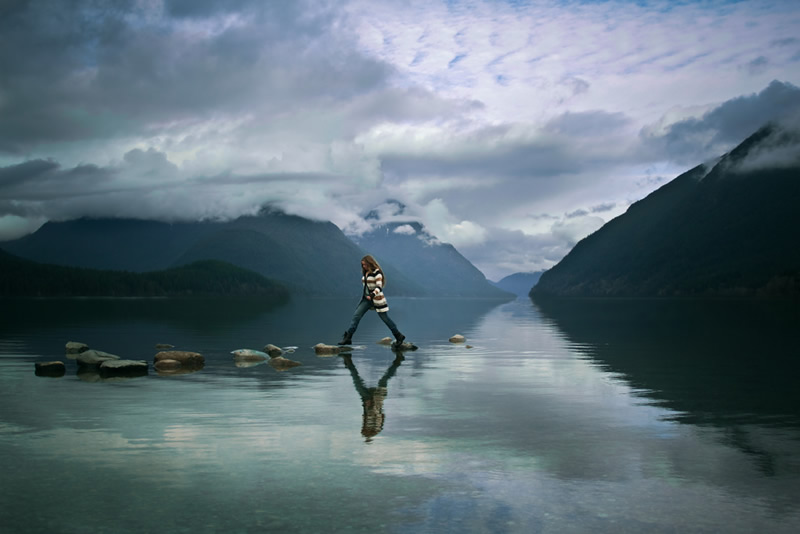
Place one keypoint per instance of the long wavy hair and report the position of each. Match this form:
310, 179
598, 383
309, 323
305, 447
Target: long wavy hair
372, 265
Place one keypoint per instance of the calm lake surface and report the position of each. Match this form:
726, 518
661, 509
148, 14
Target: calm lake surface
587, 416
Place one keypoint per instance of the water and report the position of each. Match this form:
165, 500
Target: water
593, 416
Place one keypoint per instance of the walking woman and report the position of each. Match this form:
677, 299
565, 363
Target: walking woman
372, 297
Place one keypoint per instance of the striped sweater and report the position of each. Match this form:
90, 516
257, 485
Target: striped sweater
373, 286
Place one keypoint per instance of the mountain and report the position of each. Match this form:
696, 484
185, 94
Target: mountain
437, 267
26, 278
308, 257
732, 230
519, 283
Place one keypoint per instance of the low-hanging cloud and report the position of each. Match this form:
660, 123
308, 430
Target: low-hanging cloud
779, 149
697, 139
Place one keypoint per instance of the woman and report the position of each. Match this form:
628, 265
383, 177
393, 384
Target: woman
372, 297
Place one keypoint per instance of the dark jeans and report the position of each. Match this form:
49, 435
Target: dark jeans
362, 308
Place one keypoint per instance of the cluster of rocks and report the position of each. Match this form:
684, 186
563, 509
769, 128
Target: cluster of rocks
168, 361
98, 365
104, 363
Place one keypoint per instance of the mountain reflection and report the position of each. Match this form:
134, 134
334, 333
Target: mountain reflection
372, 397
208, 315
712, 362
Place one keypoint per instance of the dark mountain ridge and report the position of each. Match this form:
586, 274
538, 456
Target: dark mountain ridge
308, 257
730, 231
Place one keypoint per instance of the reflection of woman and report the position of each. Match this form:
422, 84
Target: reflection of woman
372, 297
372, 398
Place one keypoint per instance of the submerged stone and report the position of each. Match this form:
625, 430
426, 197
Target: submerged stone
186, 358
123, 368
327, 350
248, 363
279, 363
167, 365
53, 369
458, 338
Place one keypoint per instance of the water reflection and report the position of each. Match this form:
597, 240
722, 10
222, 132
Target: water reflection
199, 314
372, 397
712, 362
533, 429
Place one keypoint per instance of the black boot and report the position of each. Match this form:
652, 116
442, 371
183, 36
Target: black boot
398, 339
347, 338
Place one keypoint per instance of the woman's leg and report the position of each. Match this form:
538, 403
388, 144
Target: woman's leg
361, 309
393, 327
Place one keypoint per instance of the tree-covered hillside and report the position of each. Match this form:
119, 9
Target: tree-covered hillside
25, 278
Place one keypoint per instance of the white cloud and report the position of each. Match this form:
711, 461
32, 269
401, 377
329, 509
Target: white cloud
440, 222
405, 229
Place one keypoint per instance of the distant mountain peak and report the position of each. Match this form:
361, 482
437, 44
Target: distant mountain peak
389, 209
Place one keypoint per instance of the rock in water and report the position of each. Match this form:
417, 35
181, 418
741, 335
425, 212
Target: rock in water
249, 355
123, 368
327, 350
187, 358
167, 365
94, 357
73, 347
54, 369
273, 350
458, 338
279, 363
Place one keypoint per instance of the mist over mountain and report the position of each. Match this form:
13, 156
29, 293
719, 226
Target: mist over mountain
519, 283
308, 257
727, 229
437, 267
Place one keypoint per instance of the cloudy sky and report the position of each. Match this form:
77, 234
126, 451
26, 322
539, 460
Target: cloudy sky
511, 129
